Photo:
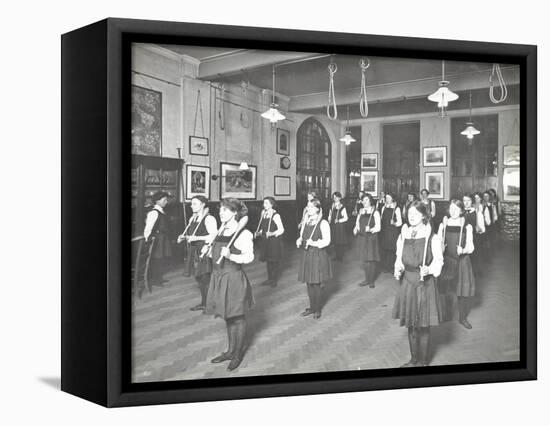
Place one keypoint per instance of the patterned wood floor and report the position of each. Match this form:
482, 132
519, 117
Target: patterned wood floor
355, 332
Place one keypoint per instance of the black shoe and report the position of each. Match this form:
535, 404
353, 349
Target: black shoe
317, 315
235, 362
466, 324
198, 308
363, 284
411, 363
307, 312
225, 356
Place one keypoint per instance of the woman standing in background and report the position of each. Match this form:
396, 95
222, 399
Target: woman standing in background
390, 224
338, 216
367, 226
269, 231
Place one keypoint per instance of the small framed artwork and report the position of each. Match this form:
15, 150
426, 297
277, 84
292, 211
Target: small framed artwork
434, 183
197, 181
435, 156
283, 141
237, 183
510, 155
281, 185
369, 161
198, 145
369, 182
510, 183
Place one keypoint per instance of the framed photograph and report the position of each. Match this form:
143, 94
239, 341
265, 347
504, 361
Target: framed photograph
369, 183
198, 145
433, 182
126, 289
237, 183
435, 156
146, 121
283, 141
197, 181
511, 155
281, 185
510, 183
369, 161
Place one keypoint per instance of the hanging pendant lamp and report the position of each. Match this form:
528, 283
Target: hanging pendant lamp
470, 131
443, 95
347, 138
273, 114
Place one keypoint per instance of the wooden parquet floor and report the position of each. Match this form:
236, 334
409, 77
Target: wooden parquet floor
355, 331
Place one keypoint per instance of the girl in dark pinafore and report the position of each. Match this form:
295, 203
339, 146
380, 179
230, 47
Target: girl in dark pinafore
367, 226
230, 293
457, 275
202, 229
337, 218
269, 231
418, 263
390, 223
315, 266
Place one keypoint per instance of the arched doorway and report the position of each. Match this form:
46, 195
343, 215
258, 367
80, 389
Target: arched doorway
313, 162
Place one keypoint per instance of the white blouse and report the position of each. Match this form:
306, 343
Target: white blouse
275, 217
423, 231
244, 242
344, 212
324, 241
469, 247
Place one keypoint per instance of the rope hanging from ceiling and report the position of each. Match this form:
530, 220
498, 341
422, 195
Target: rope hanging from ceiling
332, 111
503, 90
363, 101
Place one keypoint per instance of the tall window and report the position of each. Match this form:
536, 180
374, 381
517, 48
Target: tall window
353, 163
474, 162
313, 160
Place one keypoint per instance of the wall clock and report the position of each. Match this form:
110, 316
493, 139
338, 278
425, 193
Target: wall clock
285, 163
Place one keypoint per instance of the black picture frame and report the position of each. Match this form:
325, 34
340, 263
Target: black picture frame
283, 141
275, 186
199, 141
95, 347
189, 169
234, 168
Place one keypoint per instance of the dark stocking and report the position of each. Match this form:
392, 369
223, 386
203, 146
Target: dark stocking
423, 345
316, 292
237, 354
463, 310
231, 341
413, 347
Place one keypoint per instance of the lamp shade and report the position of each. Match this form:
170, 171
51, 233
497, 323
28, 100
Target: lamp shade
347, 138
470, 131
243, 166
443, 95
273, 114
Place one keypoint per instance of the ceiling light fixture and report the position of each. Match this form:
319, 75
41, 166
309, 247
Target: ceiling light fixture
470, 131
347, 138
273, 114
443, 95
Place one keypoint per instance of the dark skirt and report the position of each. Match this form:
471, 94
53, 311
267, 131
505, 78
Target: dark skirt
368, 248
271, 249
195, 265
388, 237
417, 302
459, 273
315, 266
229, 293
338, 234
162, 247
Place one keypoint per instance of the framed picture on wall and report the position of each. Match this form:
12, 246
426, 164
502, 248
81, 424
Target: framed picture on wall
433, 182
283, 141
198, 145
197, 180
369, 161
369, 183
435, 156
146, 121
237, 183
152, 347
281, 185
510, 183
510, 155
